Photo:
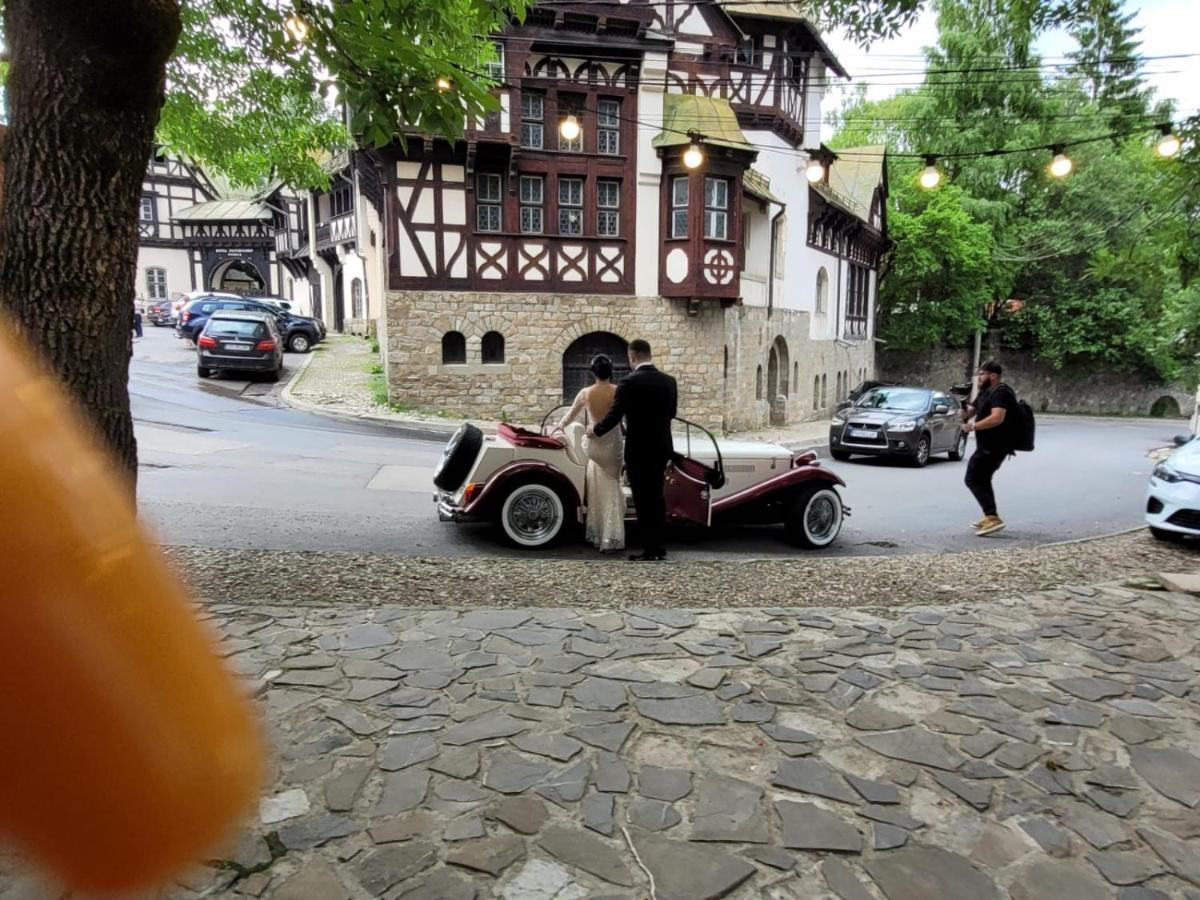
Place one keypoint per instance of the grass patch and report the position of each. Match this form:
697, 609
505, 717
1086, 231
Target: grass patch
374, 346
374, 369
379, 388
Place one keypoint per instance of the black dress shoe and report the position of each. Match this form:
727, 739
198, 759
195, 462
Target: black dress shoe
647, 557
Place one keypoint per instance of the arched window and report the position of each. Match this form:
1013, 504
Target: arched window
796, 377
758, 384
726, 371
824, 390
816, 392
454, 348
493, 347
822, 289
356, 299
156, 284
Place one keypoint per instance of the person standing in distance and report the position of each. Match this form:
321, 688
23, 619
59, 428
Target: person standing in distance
646, 399
994, 411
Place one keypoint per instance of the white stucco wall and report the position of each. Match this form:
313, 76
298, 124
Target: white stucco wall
179, 277
649, 173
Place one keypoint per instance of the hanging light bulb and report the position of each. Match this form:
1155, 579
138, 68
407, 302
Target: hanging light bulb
815, 171
569, 128
296, 28
443, 84
1168, 145
930, 176
693, 156
1061, 165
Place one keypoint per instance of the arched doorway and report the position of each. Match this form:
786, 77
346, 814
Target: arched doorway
777, 380
339, 301
237, 276
577, 357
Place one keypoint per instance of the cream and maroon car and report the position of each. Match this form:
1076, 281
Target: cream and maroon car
531, 484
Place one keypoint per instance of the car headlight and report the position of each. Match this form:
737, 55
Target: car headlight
903, 426
1163, 472
836, 421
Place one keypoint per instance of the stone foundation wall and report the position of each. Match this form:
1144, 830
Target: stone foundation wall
1083, 389
537, 328
750, 335
715, 355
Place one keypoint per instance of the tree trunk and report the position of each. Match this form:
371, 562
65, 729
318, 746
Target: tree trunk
85, 88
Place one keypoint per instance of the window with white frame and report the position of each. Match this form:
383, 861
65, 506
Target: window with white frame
570, 206
533, 120
156, 284
608, 127
487, 202
146, 213
608, 207
494, 69
716, 208
744, 56
533, 195
679, 207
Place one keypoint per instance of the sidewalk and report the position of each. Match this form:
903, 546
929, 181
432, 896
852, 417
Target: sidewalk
337, 381
1030, 747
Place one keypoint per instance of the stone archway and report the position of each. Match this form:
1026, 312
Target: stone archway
237, 276
578, 356
778, 367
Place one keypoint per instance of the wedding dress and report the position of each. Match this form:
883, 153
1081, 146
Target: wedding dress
605, 527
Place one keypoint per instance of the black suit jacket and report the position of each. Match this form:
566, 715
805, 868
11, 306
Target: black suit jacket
646, 399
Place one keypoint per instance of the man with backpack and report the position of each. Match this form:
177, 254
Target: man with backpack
999, 425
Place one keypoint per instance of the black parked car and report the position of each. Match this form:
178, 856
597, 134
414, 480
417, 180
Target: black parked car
911, 422
242, 341
159, 312
300, 333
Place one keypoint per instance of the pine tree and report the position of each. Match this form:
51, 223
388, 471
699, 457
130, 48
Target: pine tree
1108, 61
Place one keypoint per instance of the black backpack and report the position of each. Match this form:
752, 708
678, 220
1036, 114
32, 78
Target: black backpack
1023, 428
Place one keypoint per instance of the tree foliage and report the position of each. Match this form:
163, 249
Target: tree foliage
1102, 265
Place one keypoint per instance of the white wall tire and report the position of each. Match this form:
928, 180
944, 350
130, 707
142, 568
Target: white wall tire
532, 516
816, 518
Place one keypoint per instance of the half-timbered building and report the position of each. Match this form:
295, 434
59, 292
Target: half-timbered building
499, 264
197, 233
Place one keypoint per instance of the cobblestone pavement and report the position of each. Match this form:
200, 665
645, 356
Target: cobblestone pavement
1034, 747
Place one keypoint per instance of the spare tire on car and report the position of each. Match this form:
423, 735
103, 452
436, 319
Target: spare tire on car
458, 457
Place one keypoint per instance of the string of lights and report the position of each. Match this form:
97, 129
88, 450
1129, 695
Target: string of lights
1061, 165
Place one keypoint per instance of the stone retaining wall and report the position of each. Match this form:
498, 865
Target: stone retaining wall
1075, 388
715, 354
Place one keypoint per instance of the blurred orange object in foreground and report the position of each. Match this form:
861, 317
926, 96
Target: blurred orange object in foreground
126, 749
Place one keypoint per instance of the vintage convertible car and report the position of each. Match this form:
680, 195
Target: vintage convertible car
531, 483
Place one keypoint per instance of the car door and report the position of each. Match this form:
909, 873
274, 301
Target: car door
689, 482
943, 436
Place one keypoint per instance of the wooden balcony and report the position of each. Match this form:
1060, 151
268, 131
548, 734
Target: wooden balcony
341, 229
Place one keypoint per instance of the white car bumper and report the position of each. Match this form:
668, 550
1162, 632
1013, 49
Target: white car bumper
1174, 506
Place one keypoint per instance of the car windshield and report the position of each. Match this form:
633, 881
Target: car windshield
235, 328
899, 399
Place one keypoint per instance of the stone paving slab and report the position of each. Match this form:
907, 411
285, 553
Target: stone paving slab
987, 750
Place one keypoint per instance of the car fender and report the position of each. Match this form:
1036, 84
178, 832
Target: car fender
787, 480
521, 471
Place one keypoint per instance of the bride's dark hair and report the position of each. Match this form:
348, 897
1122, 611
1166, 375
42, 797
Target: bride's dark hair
602, 367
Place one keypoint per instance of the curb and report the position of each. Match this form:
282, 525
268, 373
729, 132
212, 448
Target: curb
1095, 537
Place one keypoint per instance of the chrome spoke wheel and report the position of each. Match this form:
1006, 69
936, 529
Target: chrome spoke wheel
821, 517
532, 515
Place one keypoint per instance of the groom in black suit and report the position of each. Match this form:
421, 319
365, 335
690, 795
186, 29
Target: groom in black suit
646, 400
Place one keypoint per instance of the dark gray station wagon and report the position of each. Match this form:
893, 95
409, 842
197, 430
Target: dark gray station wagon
910, 422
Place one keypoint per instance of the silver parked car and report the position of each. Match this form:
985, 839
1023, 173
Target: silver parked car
910, 422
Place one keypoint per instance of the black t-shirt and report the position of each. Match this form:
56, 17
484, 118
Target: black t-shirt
999, 438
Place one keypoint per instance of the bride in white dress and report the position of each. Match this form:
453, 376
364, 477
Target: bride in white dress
605, 455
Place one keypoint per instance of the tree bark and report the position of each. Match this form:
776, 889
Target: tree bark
85, 88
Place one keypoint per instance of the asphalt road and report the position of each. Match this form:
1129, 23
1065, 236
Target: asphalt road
225, 464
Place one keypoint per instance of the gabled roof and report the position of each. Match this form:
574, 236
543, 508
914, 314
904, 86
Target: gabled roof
712, 117
224, 211
853, 178
780, 11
